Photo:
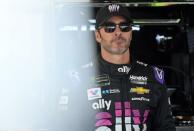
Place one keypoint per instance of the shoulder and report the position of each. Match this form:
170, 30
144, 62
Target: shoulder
153, 72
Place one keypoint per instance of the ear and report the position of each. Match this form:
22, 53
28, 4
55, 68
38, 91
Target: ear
98, 36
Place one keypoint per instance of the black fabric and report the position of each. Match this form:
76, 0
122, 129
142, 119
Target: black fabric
118, 98
137, 85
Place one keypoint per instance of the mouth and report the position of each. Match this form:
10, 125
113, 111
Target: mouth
119, 41
120, 37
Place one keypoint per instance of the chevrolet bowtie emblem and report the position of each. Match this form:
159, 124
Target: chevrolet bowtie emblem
139, 90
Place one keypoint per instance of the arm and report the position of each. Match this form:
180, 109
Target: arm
163, 120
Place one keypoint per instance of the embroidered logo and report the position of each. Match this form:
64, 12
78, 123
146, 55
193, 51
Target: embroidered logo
139, 90
113, 8
159, 75
141, 63
140, 99
142, 80
125, 69
101, 104
94, 93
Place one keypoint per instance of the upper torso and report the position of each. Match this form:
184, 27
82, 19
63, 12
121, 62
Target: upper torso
125, 96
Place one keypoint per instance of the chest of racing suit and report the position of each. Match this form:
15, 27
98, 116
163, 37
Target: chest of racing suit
129, 97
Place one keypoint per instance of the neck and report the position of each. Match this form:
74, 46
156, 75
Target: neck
116, 59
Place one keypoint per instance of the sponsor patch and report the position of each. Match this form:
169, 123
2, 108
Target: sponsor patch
101, 104
124, 69
110, 91
159, 75
139, 90
141, 63
94, 93
102, 80
140, 99
141, 80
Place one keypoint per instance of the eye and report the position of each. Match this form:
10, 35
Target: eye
125, 27
110, 26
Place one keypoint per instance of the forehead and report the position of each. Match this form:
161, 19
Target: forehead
116, 19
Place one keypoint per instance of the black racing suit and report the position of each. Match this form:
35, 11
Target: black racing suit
130, 97
127, 97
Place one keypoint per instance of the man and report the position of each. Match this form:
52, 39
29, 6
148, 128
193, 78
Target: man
129, 95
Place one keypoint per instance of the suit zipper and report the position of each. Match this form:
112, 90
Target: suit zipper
123, 99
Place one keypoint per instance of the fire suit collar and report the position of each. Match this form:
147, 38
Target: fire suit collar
114, 69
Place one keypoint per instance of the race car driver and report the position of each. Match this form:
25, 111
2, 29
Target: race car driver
129, 95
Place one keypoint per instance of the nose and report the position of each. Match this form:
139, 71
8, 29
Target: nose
117, 30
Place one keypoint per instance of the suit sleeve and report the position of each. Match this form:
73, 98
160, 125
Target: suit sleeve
163, 120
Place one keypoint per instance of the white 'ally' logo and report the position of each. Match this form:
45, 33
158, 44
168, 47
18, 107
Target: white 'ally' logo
125, 69
113, 8
102, 104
